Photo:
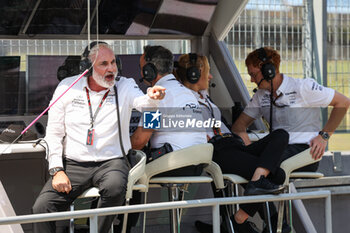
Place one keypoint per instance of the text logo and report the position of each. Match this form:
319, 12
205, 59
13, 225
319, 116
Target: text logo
151, 120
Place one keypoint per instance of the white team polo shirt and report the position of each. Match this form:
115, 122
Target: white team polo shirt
300, 116
177, 98
69, 121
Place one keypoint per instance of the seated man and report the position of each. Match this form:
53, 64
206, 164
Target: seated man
156, 64
82, 135
295, 104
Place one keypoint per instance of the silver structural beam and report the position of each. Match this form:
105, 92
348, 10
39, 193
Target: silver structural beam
93, 223
320, 45
328, 213
320, 39
225, 15
230, 74
216, 218
228, 70
302, 212
308, 60
101, 36
315, 43
24, 29
214, 202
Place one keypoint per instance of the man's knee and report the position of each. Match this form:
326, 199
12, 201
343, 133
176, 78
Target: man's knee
116, 190
40, 207
281, 135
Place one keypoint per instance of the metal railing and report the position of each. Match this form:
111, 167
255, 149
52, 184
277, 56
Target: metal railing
213, 202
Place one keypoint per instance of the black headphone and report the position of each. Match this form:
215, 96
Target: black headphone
85, 62
267, 69
193, 74
70, 67
149, 70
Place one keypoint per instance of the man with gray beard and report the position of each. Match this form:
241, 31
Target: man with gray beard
83, 136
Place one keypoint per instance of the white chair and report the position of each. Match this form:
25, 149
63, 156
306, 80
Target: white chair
135, 174
232, 181
194, 155
218, 178
289, 165
300, 160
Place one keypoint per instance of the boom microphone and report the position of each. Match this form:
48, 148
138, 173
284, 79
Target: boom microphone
256, 89
41, 114
212, 85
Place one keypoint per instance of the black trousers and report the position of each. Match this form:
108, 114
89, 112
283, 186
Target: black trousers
110, 177
243, 160
293, 149
290, 151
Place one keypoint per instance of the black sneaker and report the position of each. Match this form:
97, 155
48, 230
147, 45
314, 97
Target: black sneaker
246, 227
206, 227
285, 227
262, 186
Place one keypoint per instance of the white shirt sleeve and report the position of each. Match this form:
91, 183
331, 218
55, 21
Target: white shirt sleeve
253, 108
314, 94
55, 130
139, 100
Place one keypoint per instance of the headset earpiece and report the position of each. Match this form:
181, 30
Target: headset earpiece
119, 63
193, 73
267, 68
85, 62
149, 72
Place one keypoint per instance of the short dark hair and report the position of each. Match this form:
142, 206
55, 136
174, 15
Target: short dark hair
161, 57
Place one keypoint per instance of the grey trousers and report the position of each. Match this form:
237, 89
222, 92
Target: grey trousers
109, 176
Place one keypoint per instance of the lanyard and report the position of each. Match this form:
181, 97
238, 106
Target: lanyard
217, 131
93, 117
209, 107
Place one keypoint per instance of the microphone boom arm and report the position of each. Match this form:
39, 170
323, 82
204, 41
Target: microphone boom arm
38, 117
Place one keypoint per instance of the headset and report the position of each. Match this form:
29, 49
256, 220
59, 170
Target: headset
267, 68
269, 72
85, 62
193, 74
149, 70
70, 67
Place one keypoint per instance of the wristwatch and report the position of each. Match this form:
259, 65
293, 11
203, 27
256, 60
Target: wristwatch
324, 135
54, 170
